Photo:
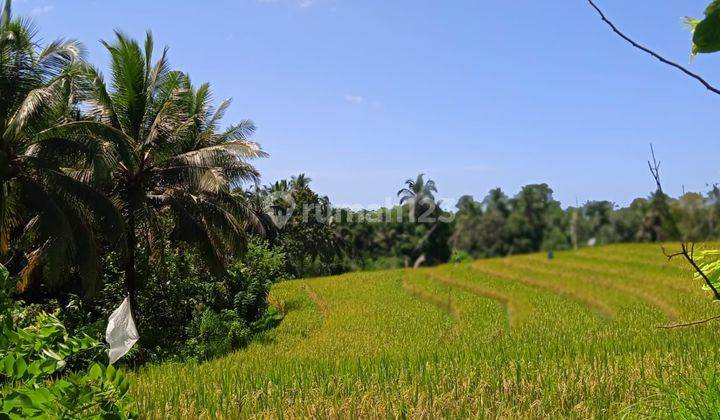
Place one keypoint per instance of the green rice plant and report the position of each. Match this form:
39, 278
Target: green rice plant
522, 337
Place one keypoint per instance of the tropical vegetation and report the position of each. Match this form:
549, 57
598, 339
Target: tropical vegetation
35, 347
134, 185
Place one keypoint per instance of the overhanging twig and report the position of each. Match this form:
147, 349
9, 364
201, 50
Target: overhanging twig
689, 324
688, 255
662, 59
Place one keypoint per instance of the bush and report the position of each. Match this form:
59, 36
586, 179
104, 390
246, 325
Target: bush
34, 350
250, 279
239, 306
382, 263
215, 334
182, 307
174, 288
459, 256
175, 294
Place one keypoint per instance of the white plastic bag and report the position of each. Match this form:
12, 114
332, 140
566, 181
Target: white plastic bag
121, 333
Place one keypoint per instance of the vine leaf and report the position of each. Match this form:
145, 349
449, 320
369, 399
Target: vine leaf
706, 32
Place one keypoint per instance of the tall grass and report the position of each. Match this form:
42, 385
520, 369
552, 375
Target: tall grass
520, 337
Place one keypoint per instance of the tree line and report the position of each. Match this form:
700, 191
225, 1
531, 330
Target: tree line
421, 230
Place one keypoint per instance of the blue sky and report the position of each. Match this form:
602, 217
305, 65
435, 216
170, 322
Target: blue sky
362, 94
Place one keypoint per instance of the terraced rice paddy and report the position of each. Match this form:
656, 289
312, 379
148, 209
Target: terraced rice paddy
518, 337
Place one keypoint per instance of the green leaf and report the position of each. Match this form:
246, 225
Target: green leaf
709, 262
19, 399
95, 372
706, 37
110, 373
52, 354
38, 398
691, 23
34, 368
49, 366
20, 367
4, 275
124, 387
9, 363
61, 385
712, 8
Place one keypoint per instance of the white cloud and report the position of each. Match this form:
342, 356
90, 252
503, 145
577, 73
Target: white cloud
41, 10
355, 99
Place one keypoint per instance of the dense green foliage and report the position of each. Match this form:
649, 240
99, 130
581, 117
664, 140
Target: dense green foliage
530, 221
706, 31
181, 305
151, 145
534, 221
304, 228
35, 348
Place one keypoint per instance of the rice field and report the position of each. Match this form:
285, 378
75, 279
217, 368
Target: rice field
522, 337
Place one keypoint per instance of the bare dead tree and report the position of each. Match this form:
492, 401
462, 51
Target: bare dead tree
655, 169
662, 59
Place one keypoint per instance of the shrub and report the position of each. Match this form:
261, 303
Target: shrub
175, 294
459, 256
382, 263
34, 350
214, 334
238, 306
250, 279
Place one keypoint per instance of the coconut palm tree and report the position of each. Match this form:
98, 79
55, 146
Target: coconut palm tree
203, 132
419, 194
300, 182
162, 155
262, 209
47, 214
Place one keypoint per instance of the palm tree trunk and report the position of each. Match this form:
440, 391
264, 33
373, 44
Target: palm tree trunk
130, 277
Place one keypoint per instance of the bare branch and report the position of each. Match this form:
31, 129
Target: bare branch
655, 169
689, 324
671, 256
662, 59
689, 256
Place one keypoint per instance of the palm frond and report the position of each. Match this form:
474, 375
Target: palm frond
9, 215
52, 223
103, 210
58, 55
129, 82
191, 229
35, 106
239, 132
88, 160
122, 143
216, 115
100, 103
6, 14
